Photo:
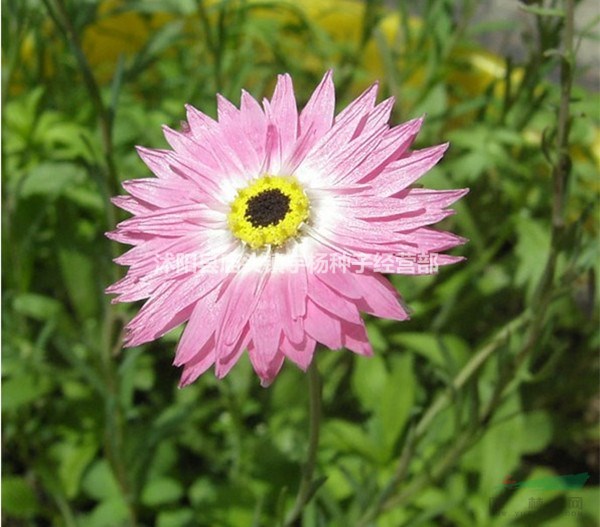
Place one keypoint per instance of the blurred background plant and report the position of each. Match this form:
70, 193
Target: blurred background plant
495, 376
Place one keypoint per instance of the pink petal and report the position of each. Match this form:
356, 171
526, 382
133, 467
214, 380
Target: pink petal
168, 303
200, 329
393, 144
376, 119
240, 297
299, 152
174, 221
196, 173
156, 161
273, 151
431, 240
360, 106
322, 326
227, 360
164, 192
283, 113
356, 339
332, 302
202, 361
149, 255
401, 173
340, 134
200, 124
342, 282
129, 238
420, 198
293, 328
297, 290
153, 321
191, 160
265, 366
226, 110
317, 115
231, 134
265, 331
132, 205
273, 369
299, 353
214, 157
350, 158
356, 234
253, 123
379, 297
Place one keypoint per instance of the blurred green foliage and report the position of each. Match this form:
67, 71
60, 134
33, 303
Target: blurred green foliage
491, 378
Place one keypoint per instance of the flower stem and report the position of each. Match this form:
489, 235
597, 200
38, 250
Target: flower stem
307, 485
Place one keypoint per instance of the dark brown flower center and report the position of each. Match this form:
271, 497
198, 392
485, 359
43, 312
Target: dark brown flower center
267, 208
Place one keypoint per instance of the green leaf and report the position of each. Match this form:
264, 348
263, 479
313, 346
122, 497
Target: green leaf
78, 267
22, 390
396, 402
533, 244
86, 198
178, 518
161, 491
538, 427
75, 458
202, 492
51, 180
38, 307
498, 452
99, 481
20, 118
18, 498
368, 379
446, 351
79, 278
388, 395
343, 436
110, 513
376, 336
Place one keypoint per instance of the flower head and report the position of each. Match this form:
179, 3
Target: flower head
267, 229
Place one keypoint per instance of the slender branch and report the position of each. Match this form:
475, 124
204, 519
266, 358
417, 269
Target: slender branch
114, 428
214, 39
105, 116
456, 450
307, 485
546, 288
111, 184
416, 434
542, 300
562, 168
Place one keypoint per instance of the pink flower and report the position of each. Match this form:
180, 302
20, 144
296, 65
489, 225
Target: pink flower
267, 229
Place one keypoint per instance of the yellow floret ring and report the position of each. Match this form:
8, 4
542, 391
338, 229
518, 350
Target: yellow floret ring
269, 211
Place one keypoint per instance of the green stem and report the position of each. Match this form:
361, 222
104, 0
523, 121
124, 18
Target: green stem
307, 486
542, 299
546, 288
114, 426
416, 434
448, 460
214, 41
105, 117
